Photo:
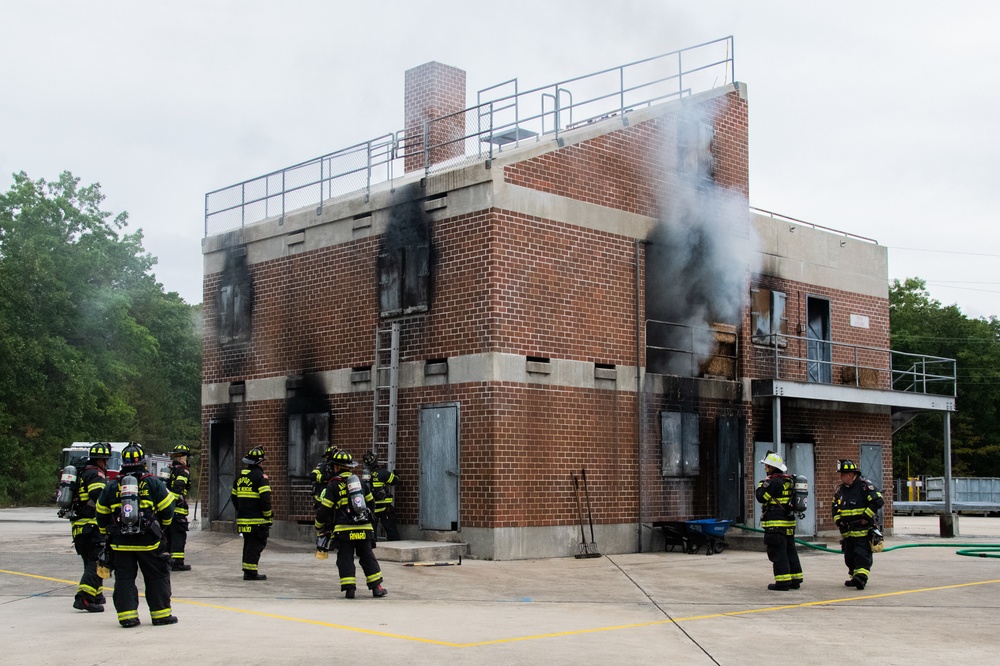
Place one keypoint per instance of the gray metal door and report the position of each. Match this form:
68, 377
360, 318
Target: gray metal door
222, 443
760, 450
818, 347
729, 470
800, 460
871, 468
439, 472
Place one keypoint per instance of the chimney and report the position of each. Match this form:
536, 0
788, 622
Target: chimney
434, 90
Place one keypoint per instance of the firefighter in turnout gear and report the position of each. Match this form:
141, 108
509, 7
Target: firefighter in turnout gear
322, 473
87, 538
345, 511
775, 495
855, 507
252, 499
382, 482
134, 511
177, 483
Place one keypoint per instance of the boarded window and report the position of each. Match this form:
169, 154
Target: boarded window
767, 317
308, 437
404, 280
696, 159
680, 444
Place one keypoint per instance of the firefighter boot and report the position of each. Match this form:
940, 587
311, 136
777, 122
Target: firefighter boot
178, 565
859, 582
160, 621
253, 575
780, 587
128, 624
349, 593
90, 606
379, 591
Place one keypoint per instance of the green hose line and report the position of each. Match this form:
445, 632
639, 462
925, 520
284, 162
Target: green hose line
968, 549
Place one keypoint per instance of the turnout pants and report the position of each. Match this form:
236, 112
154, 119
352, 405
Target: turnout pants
88, 545
784, 558
386, 518
254, 543
177, 538
857, 557
155, 575
346, 547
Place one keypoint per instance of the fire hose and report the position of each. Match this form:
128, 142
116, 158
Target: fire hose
967, 549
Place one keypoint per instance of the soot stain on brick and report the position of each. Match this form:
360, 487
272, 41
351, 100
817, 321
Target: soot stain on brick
234, 307
407, 231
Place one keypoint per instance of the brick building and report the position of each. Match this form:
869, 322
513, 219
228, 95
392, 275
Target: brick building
535, 294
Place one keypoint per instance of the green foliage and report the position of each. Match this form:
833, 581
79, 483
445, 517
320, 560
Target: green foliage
91, 348
921, 325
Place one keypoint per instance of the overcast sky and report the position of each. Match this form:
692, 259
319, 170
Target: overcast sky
874, 118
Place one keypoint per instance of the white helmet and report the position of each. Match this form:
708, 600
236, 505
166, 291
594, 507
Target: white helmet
772, 459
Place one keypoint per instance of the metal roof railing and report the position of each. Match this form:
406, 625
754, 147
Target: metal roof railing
798, 358
503, 115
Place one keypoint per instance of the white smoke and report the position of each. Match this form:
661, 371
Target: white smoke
699, 254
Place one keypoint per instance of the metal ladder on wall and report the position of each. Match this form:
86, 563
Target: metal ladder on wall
385, 380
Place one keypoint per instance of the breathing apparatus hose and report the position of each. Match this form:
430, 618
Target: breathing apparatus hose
967, 549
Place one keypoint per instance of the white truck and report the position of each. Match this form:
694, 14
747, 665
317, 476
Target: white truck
77, 453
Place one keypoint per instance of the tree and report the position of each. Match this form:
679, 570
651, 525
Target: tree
921, 325
90, 346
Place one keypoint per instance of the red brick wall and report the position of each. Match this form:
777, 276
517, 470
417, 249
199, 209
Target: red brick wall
433, 91
842, 305
631, 168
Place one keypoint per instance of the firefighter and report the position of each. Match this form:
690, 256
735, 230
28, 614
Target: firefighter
322, 473
775, 495
855, 507
350, 526
87, 538
252, 499
382, 482
135, 510
177, 483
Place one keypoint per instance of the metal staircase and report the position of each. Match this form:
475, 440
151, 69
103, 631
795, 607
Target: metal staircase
385, 380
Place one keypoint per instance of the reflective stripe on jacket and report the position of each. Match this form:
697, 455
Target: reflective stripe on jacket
775, 494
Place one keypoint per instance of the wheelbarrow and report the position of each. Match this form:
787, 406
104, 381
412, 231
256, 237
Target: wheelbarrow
707, 532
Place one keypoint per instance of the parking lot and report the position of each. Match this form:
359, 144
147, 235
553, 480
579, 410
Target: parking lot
923, 605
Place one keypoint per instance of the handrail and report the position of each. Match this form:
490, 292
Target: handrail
358, 168
779, 216
860, 365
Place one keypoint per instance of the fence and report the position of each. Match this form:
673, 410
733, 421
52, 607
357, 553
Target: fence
503, 115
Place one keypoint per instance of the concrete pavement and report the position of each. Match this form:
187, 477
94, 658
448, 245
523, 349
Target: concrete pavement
922, 606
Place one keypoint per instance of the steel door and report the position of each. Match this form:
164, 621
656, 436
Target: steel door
871, 468
818, 340
800, 460
222, 442
729, 470
439, 471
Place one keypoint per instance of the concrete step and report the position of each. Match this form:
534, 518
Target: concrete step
420, 551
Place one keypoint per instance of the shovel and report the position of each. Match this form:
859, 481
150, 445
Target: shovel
584, 549
590, 515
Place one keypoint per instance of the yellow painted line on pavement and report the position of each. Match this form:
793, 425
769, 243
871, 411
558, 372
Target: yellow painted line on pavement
558, 634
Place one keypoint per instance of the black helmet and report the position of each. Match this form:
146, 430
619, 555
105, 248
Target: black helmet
330, 451
848, 466
254, 456
181, 450
100, 450
370, 459
133, 456
342, 459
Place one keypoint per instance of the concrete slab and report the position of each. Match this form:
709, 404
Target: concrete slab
923, 605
